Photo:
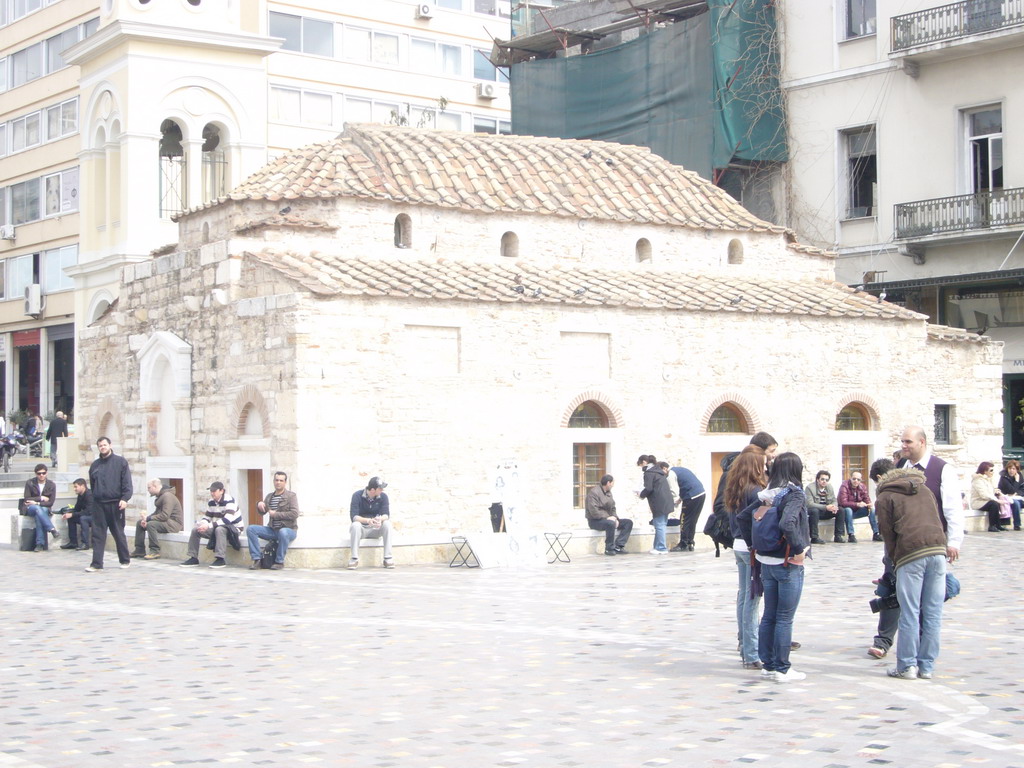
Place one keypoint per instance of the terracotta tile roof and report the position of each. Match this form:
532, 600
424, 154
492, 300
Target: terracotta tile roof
288, 221
512, 174
574, 285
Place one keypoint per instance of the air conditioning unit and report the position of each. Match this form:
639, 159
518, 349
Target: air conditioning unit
487, 90
6, 231
34, 300
424, 10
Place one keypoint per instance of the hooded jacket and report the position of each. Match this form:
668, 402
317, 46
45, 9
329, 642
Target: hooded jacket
908, 517
656, 491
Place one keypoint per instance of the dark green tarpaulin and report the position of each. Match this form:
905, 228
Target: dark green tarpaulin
694, 92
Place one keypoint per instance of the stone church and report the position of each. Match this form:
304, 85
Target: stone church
430, 306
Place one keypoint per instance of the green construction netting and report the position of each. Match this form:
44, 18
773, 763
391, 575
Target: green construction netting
700, 92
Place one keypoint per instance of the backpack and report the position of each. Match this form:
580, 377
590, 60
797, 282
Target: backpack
767, 534
268, 555
720, 531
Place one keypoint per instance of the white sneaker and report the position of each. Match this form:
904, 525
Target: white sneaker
658, 552
353, 564
910, 673
125, 565
785, 677
922, 675
90, 569
769, 674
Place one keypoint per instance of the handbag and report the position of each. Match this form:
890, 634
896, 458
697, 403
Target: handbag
268, 555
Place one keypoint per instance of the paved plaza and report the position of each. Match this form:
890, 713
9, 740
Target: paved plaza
625, 661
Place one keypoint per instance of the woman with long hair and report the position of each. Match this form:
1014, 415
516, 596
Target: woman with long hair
1011, 483
746, 477
781, 560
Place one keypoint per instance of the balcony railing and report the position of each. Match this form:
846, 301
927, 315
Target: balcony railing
960, 213
948, 22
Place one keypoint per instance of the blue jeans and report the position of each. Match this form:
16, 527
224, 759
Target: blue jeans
851, 514
782, 588
746, 610
921, 590
43, 523
659, 522
1015, 512
283, 537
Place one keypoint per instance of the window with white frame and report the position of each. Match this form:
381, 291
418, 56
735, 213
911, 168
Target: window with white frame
435, 57
61, 192
25, 201
25, 132
62, 120
482, 67
861, 18
292, 105
55, 261
502, 8
26, 65
55, 47
983, 129
861, 170
303, 34
3, 74
368, 45
483, 124
22, 271
3, 139
3, 206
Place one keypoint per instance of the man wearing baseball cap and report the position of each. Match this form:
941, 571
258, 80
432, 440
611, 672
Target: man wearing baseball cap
222, 520
371, 519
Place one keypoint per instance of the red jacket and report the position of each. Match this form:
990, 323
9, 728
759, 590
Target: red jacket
850, 496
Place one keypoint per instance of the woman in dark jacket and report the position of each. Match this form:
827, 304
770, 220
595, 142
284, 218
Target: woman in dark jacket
782, 566
659, 497
1011, 483
746, 477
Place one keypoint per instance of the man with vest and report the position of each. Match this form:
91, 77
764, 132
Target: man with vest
940, 478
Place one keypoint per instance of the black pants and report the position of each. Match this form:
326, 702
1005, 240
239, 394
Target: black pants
108, 516
613, 537
992, 508
688, 518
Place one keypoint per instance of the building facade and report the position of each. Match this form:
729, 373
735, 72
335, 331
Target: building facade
903, 123
115, 116
432, 306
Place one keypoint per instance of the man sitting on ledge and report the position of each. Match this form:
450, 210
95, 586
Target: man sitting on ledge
282, 510
371, 519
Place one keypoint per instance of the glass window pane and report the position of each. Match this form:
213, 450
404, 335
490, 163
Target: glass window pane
383, 112
289, 27
284, 104
54, 263
385, 49
455, 5
90, 27
316, 108
451, 59
986, 122
3, 208
52, 123
69, 117
318, 37
32, 129
25, 202
3, 139
421, 56
504, 127
484, 125
357, 44
69, 190
19, 276
27, 65
357, 111
449, 121
482, 67
52, 194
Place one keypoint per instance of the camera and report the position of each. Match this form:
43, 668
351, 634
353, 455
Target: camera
883, 603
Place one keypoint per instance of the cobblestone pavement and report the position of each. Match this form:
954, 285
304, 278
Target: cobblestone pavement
625, 661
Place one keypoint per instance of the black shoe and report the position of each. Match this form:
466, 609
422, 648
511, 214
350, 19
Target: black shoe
689, 547
994, 529
680, 547
136, 555
1016, 527
851, 539
838, 540
621, 551
876, 537
280, 566
190, 563
82, 546
817, 540
54, 533
794, 646
610, 552
256, 565
218, 562
1003, 528
69, 546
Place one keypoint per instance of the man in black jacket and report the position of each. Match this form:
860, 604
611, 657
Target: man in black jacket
111, 482
79, 517
58, 428
38, 496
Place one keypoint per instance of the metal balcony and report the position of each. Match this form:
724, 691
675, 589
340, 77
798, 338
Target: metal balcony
960, 213
954, 21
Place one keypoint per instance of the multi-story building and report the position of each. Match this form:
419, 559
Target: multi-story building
905, 121
117, 115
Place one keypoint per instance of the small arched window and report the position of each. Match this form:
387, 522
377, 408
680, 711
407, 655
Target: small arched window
215, 163
727, 419
588, 414
853, 416
643, 251
403, 231
510, 245
735, 252
250, 423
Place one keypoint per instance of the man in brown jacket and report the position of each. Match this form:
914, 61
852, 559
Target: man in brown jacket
908, 519
600, 508
166, 518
